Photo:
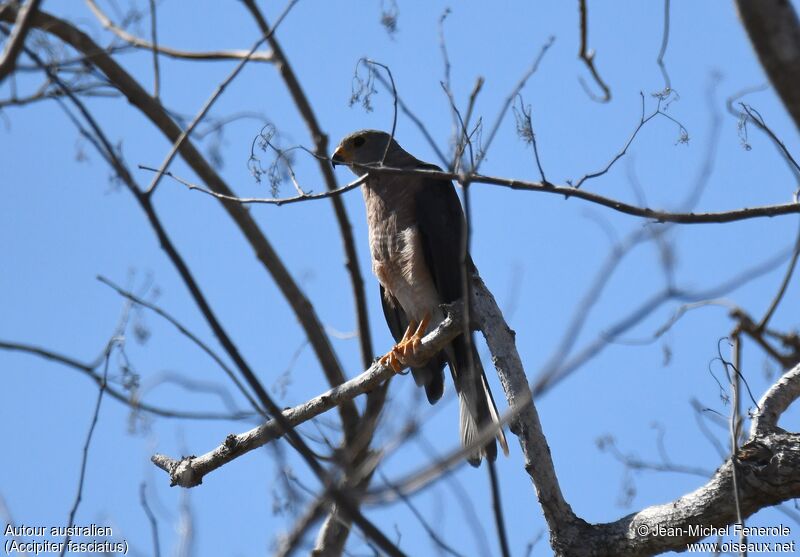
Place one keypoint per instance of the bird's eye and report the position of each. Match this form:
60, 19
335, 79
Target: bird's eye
358, 141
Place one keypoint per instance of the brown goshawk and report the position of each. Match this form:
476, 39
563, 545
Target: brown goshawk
416, 234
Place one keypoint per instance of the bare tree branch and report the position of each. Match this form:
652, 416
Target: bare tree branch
289, 544
129, 400
154, 37
188, 334
663, 50
85, 458
219, 55
8, 59
774, 30
151, 518
189, 471
587, 55
566, 191
775, 402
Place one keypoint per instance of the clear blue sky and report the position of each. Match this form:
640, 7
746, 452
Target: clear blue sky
62, 222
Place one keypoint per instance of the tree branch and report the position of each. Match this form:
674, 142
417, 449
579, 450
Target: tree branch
774, 31
215, 55
775, 402
189, 471
131, 400
656, 215
8, 59
587, 55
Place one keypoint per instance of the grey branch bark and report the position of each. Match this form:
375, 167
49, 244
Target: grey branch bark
189, 471
769, 463
775, 402
774, 30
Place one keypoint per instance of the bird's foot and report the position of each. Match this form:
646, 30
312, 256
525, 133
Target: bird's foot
391, 359
404, 353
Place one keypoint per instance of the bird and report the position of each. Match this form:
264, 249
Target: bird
416, 232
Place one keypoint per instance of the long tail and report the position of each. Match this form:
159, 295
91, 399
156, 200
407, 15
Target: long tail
477, 407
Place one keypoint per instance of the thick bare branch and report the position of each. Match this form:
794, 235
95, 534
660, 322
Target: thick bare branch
774, 30
189, 471
775, 402
525, 425
8, 59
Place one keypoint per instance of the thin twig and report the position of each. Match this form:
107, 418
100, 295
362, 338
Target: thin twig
212, 99
663, 51
510, 99
85, 459
188, 334
735, 426
608, 444
215, 55
643, 119
416, 121
394, 100
435, 538
320, 139
154, 37
497, 509
151, 518
135, 404
756, 117
526, 132
263, 200
783, 287
587, 55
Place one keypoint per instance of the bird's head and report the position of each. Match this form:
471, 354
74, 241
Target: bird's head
367, 147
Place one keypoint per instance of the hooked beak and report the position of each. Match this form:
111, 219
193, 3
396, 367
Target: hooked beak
340, 156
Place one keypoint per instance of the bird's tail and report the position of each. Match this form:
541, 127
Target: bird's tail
476, 405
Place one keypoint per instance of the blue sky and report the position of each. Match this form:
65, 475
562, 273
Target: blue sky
63, 222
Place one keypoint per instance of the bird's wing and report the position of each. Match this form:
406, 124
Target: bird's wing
441, 225
440, 222
430, 375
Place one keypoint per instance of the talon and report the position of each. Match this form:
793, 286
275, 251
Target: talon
396, 364
408, 345
392, 361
